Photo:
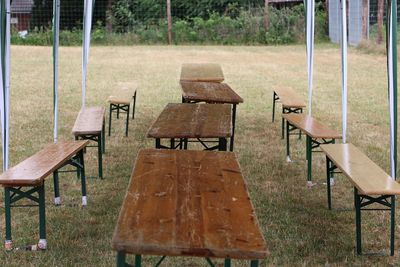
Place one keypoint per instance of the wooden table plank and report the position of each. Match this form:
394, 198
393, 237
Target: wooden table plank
311, 126
89, 121
193, 121
209, 92
289, 98
201, 72
363, 173
36, 168
188, 203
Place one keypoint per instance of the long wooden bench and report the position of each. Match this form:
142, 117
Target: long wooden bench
89, 125
201, 72
291, 103
372, 185
316, 132
32, 173
190, 204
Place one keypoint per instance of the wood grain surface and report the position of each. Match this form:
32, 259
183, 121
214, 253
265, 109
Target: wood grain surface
210, 92
193, 121
363, 173
311, 126
188, 203
89, 121
36, 168
289, 98
201, 72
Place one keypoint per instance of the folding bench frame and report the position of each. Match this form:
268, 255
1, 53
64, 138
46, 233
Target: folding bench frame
123, 108
182, 143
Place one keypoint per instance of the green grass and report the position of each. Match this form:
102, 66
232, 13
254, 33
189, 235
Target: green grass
298, 228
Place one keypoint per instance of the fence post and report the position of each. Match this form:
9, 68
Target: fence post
266, 15
169, 17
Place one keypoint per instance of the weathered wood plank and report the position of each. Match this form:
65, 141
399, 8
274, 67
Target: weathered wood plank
289, 98
188, 203
209, 92
201, 72
89, 121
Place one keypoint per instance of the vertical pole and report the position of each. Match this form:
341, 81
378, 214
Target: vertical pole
83, 179
273, 106
357, 205
100, 154
344, 69
309, 159
288, 141
57, 199
7, 207
169, 18
103, 136
392, 223
310, 49
127, 120
233, 127
56, 29
283, 124
328, 182
134, 105
109, 120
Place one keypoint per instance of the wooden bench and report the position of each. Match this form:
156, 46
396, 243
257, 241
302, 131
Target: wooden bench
188, 203
291, 103
372, 185
209, 92
120, 103
32, 173
201, 72
89, 125
316, 132
193, 123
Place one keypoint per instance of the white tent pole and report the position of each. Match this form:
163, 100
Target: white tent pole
344, 68
56, 40
87, 26
310, 50
7, 67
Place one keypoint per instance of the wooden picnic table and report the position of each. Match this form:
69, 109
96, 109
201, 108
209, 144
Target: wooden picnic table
209, 92
32, 173
188, 203
192, 121
89, 125
316, 132
372, 185
201, 72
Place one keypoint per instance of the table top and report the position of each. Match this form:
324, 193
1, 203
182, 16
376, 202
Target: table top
311, 126
289, 98
193, 121
201, 72
363, 173
36, 168
210, 92
89, 121
188, 203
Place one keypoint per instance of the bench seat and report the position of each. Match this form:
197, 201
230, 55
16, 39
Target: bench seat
201, 72
289, 98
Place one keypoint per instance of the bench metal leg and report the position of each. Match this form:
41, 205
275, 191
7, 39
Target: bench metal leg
309, 159
254, 263
121, 259
158, 143
138, 260
221, 144
42, 218
392, 224
127, 121
7, 207
103, 136
134, 106
283, 127
328, 182
117, 111
273, 106
233, 127
357, 205
57, 199
109, 120
100, 155
83, 180
227, 263
287, 141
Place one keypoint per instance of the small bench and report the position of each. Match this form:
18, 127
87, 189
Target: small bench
32, 173
372, 185
291, 103
188, 204
121, 104
215, 93
201, 72
316, 132
89, 125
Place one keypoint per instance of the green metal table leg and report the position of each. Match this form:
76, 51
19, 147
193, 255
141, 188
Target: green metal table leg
57, 199
158, 143
254, 263
172, 145
103, 135
134, 105
287, 142
7, 207
233, 127
222, 144
328, 182
392, 223
109, 120
42, 218
121, 259
357, 205
227, 263
273, 106
117, 111
83, 180
283, 128
138, 260
309, 159
100, 155
127, 121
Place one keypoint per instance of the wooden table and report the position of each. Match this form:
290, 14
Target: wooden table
372, 185
209, 92
89, 125
316, 132
186, 122
188, 203
32, 173
201, 72
291, 103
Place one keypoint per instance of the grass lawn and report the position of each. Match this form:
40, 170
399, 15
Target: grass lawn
298, 228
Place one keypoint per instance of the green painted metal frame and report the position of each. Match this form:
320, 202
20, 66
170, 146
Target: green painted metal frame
121, 261
182, 143
14, 194
360, 203
124, 109
101, 146
312, 145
